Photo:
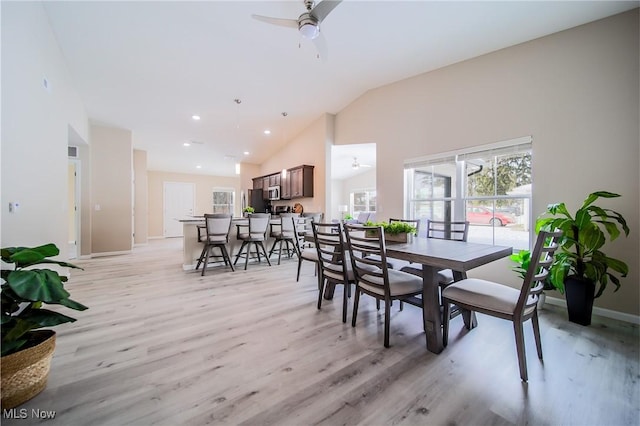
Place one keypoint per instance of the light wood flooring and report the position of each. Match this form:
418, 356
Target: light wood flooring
162, 346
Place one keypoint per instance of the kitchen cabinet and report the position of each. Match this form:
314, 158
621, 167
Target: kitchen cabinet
294, 183
285, 186
257, 183
301, 181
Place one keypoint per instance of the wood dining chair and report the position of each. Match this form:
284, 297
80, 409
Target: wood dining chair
334, 266
501, 301
216, 235
309, 254
373, 276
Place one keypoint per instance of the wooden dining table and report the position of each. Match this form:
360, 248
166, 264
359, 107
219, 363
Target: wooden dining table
435, 255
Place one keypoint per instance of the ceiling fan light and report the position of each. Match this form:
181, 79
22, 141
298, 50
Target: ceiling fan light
309, 30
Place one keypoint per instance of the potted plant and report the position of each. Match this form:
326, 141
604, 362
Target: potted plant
247, 211
579, 264
26, 350
393, 232
522, 260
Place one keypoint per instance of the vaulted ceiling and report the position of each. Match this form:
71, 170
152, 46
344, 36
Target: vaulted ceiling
150, 66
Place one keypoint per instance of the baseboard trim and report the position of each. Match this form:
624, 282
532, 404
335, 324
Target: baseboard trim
607, 313
110, 253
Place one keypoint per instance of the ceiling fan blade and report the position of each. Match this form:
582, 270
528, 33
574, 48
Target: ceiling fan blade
292, 23
323, 8
321, 46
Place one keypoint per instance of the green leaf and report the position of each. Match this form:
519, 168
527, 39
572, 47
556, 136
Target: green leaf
12, 346
37, 284
73, 304
583, 219
618, 266
47, 318
591, 238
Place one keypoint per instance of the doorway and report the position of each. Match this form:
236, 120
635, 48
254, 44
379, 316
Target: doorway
178, 204
73, 182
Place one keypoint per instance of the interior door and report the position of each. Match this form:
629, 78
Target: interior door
178, 204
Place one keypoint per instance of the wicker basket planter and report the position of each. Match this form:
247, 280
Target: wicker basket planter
25, 373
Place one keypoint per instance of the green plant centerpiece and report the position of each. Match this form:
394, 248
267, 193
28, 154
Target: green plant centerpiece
394, 231
580, 264
27, 350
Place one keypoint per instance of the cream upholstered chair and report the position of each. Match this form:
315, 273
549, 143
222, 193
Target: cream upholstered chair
310, 254
335, 267
516, 305
216, 235
373, 275
254, 234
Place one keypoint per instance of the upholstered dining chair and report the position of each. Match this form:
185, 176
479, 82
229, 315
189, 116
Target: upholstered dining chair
255, 233
501, 301
284, 232
309, 254
373, 275
216, 235
334, 268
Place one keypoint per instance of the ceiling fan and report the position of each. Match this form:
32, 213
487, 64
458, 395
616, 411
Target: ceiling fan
356, 165
308, 24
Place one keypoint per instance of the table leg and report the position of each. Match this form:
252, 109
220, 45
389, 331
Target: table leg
431, 309
469, 317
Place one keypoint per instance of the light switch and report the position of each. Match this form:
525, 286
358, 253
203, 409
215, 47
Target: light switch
14, 207
98, 208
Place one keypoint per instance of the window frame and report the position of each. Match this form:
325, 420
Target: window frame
458, 198
226, 190
368, 192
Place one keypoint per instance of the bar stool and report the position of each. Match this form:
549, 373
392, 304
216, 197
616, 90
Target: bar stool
256, 235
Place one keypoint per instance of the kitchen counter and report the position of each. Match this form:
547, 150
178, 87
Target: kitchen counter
191, 247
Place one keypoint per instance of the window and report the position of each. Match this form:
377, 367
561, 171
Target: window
223, 200
363, 201
489, 186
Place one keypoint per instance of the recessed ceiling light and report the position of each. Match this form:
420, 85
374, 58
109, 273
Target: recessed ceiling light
246, 153
186, 144
198, 166
267, 132
195, 117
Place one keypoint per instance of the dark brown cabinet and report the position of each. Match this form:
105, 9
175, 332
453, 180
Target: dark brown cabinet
294, 183
301, 181
257, 183
285, 186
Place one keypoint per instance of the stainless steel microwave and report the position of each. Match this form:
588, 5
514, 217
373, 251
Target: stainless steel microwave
273, 193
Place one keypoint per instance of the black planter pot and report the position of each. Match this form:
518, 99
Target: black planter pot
579, 293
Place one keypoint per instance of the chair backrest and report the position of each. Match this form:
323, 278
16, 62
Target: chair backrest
363, 217
258, 224
311, 217
217, 227
538, 271
368, 256
329, 242
286, 224
412, 222
445, 230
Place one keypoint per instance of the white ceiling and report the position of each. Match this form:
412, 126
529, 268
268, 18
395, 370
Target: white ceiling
149, 66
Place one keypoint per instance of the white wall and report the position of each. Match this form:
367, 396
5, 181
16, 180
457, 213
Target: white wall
576, 92
35, 124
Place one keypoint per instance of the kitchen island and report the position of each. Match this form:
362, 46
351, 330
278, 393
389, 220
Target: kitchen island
191, 247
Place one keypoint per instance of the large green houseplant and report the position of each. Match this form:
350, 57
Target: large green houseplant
27, 350
580, 264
